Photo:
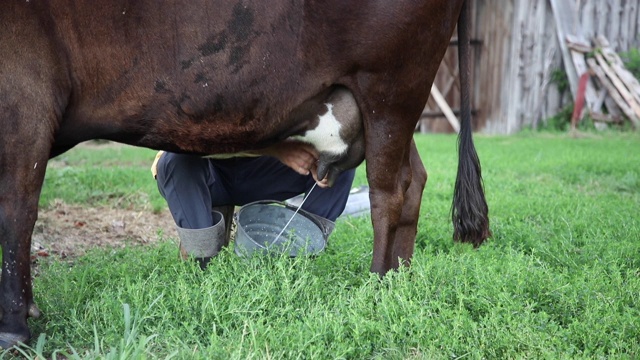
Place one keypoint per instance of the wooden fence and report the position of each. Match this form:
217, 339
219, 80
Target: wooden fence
516, 51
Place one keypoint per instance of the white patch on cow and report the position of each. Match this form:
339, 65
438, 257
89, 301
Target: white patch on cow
326, 136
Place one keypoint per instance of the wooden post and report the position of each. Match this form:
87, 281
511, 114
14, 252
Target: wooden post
446, 109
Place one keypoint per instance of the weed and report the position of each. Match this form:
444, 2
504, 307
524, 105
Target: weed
560, 79
631, 61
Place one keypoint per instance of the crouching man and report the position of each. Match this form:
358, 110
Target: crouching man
193, 186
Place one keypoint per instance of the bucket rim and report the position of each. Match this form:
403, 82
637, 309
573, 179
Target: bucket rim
323, 228
326, 226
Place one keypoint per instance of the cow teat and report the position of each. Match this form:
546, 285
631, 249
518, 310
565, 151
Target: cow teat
331, 166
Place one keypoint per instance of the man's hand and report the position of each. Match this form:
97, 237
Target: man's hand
324, 183
300, 157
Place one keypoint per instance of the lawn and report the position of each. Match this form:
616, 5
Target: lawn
559, 279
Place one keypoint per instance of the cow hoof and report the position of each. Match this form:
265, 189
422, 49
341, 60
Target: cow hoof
34, 312
8, 340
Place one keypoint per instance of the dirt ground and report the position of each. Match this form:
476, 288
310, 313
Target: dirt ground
70, 230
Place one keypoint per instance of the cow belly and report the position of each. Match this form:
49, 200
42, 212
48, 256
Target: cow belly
332, 129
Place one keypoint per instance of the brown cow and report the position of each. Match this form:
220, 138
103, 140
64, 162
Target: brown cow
221, 76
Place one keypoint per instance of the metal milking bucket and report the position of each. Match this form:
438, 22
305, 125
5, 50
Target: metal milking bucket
259, 224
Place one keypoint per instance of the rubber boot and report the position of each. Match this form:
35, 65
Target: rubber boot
227, 213
203, 244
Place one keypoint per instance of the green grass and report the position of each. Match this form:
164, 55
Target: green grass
559, 279
104, 175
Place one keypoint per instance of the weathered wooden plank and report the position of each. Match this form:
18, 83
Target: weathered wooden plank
636, 29
602, 94
617, 65
588, 18
614, 22
612, 107
607, 118
446, 109
565, 24
613, 92
529, 68
448, 85
541, 76
514, 61
619, 85
625, 26
629, 81
602, 15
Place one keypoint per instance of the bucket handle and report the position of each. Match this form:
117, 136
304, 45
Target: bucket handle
325, 225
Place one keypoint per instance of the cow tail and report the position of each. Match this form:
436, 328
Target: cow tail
469, 212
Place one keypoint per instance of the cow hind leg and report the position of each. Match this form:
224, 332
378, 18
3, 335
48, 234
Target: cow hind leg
394, 170
395, 192
403, 244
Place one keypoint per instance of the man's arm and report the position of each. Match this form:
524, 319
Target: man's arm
300, 157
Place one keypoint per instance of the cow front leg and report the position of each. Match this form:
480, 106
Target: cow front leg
22, 170
24, 153
404, 242
18, 213
15, 284
35, 87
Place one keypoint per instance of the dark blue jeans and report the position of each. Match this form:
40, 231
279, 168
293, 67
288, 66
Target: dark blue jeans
192, 185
